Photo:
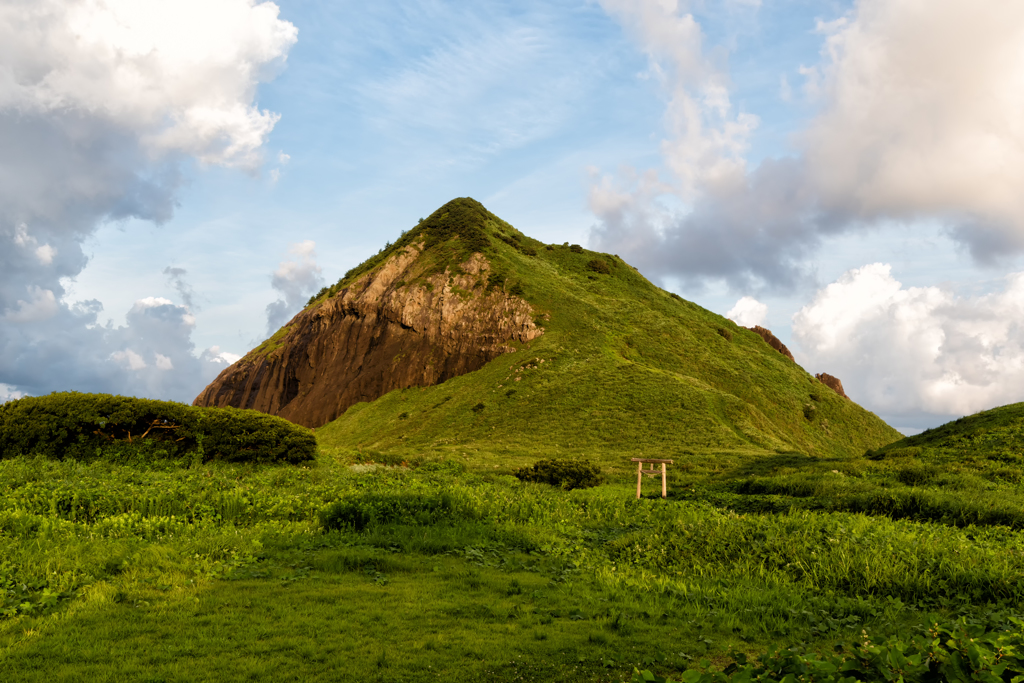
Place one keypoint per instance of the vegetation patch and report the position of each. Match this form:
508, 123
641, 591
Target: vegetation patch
565, 474
599, 266
77, 426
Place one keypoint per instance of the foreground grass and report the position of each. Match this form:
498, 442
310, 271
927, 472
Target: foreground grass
225, 573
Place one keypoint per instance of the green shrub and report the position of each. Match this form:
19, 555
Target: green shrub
359, 512
576, 249
599, 266
916, 476
726, 334
567, 474
516, 290
76, 426
478, 407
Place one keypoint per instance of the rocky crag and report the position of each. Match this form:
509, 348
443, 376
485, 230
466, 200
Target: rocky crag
772, 340
832, 383
392, 328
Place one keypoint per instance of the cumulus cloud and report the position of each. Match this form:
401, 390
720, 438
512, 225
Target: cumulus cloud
215, 355
748, 312
922, 115
912, 351
919, 116
100, 103
296, 281
8, 393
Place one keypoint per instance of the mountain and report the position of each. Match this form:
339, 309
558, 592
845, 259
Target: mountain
466, 333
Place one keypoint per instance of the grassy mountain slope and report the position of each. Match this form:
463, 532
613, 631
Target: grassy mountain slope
993, 436
624, 368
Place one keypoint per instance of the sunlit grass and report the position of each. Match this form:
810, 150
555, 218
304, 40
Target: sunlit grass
223, 573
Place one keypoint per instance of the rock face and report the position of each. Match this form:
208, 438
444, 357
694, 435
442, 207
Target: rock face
377, 335
832, 383
772, 341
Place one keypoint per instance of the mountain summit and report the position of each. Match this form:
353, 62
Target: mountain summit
466, 331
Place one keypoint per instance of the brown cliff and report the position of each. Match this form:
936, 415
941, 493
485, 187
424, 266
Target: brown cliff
832, 383
772, 340
377, 335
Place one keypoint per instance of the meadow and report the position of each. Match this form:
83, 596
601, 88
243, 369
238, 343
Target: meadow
801, 539
446, 567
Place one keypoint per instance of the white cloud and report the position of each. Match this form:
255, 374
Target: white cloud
101, 102
131, 359
9, 393
215, 355
912, 350
919, 118
707, 140
43, 305
45, 254
748, 312
180, 75
922, 115
297, 281
785, 89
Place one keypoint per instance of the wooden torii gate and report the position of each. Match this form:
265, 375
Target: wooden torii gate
640, 472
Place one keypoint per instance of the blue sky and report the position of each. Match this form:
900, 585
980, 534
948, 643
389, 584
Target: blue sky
798, 157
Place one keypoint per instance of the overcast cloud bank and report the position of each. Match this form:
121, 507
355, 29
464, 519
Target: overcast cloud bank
101, 104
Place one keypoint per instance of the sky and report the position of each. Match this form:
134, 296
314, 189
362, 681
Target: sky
176, 179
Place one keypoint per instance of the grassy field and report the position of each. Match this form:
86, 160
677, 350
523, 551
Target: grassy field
225, 572
408, 551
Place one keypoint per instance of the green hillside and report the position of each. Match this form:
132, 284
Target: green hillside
993, 438
624, 368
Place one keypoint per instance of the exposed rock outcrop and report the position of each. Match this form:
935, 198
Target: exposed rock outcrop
832, 383
393, 328
772, 340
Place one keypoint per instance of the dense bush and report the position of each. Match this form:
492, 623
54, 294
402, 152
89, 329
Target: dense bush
599, 266
567, 474
77, 426
576, 249
359, 512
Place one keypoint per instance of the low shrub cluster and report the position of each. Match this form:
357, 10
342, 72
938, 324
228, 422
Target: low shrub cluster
599, 266
360, 512
566, 474
72, 425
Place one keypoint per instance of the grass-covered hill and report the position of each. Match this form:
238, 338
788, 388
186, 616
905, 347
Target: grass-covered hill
623, 367
993, 436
